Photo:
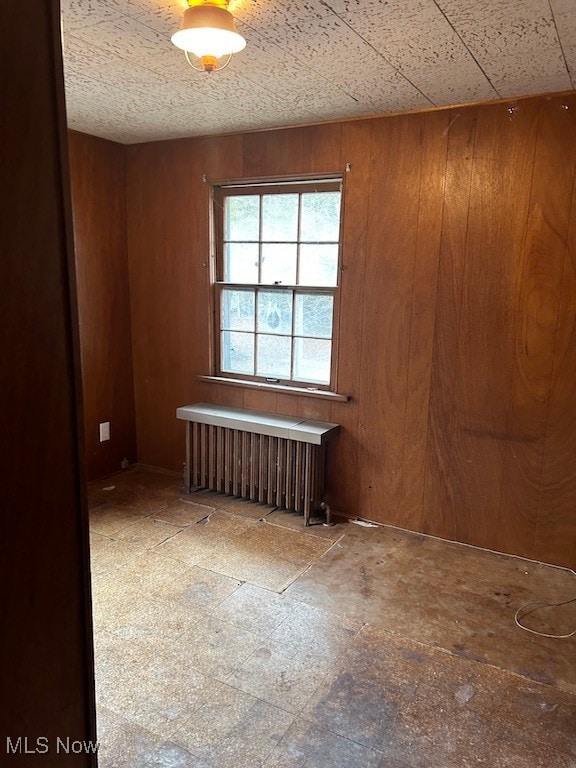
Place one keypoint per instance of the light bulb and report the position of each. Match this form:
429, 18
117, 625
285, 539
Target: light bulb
207, 41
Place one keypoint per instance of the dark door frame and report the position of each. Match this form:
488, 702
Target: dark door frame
46, 638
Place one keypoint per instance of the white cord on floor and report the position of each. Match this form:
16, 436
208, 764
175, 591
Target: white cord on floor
521, 612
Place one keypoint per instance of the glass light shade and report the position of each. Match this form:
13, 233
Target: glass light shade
207, 41
208, 30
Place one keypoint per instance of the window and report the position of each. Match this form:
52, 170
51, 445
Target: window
277, 274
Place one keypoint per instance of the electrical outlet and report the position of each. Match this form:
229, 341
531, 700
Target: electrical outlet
104, 431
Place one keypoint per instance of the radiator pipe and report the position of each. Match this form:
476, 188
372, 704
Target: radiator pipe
326, 508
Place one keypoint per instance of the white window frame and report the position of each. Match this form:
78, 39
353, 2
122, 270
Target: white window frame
333, 182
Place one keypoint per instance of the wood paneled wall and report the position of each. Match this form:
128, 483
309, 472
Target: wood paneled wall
98, 194
46, 635
457, 325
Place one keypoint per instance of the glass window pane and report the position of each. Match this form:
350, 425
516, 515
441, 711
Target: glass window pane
237, 310
279, 264
279, 217
275, 312
273, 356
242, 217
241, 263
318, 265
237, 352
320, 219
313, 315
312, 360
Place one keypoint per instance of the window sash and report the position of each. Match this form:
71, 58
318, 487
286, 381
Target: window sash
295, 290
220, 193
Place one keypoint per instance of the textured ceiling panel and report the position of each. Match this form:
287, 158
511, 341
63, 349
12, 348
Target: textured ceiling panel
367, 77
307, 61
517, 43
565, 17
82, 13
419, 41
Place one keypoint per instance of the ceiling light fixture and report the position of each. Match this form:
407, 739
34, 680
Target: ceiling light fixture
208, 31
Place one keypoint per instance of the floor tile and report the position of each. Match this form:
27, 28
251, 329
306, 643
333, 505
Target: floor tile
148, 533
423, 707
132, 615
280, 677
247, 550
96, 499
98, 543
363, 696
272, 514
295, 522
119, 491
165, 578
109, 491
149, 479
242, 507
391, 649
110, 554
292, 662
122, 744
534, 714
267, 556
216, 647
205, 539
183, 513
204, 496
493, 638
234, 729
109, 520
449, 596
307, 745
255, 609
310, 628
353, 578
171, 755
148, 681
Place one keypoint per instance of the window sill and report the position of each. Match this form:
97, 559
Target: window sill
321, 394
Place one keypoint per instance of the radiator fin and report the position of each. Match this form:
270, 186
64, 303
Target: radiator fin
271, 470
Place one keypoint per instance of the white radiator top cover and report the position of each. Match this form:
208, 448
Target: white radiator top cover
271, 424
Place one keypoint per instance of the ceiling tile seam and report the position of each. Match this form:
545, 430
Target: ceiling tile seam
572, 83
302, 63
474, 59
379, 53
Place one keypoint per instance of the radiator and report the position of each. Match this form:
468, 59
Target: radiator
239, 456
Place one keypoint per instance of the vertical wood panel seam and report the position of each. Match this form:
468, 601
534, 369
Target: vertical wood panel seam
548, 405
415, 259
518, 323
439, 251
462, 288
124, 151
363, 338
368, 204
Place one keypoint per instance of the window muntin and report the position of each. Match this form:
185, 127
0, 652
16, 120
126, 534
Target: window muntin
277, 281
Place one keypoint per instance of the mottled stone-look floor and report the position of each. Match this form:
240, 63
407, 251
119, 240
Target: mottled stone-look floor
228, 636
